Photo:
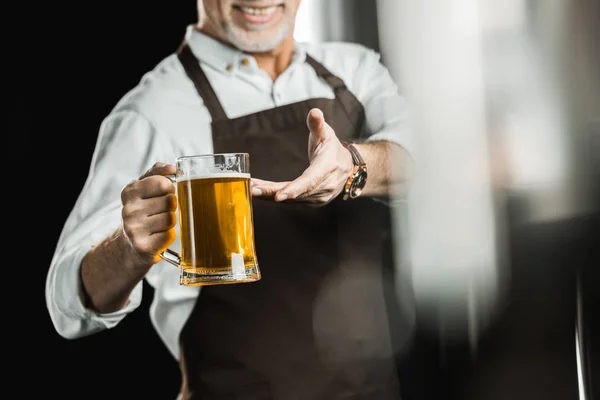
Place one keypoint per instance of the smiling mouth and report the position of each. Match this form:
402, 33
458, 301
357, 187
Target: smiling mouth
258, 15
258, 11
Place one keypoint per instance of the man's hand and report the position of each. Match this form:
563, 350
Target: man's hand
148, 213
330, 165
112, 268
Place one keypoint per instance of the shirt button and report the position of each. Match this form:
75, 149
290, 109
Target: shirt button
230, 68
245, 62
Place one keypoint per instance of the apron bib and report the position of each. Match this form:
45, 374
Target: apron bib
315, 326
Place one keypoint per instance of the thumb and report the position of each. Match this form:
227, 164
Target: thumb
317, 125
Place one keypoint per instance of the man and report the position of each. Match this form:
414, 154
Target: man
315, 326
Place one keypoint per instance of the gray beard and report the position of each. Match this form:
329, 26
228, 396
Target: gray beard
239, 39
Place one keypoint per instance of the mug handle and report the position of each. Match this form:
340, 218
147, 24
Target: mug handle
170, 256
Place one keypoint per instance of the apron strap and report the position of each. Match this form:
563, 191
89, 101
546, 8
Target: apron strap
343, 95
190, 63
336, 83
197, 75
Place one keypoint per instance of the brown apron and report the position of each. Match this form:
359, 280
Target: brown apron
315, 326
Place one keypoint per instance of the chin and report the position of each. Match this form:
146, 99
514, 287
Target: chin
257, 41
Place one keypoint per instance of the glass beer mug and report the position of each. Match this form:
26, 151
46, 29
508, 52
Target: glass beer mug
216, 228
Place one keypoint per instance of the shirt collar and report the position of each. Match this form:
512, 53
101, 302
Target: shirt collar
225, 58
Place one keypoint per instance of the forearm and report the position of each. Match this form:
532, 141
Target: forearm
109, 273
390, 169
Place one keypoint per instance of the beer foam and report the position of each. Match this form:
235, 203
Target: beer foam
239, 175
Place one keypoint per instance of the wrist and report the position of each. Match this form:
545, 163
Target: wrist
348, 161
131, 257
357, 178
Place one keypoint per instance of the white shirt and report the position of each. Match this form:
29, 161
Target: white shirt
162, 118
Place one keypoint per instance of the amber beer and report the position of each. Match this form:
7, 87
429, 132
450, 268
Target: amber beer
216, 227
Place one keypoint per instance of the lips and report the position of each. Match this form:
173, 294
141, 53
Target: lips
259, 11
258, 15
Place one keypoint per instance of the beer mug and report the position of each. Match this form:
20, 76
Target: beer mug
216, 228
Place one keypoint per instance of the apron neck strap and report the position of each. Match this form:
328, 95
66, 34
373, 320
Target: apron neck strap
333, 81
211, 101
195, 72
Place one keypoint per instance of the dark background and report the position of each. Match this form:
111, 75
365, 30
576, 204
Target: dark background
69, 64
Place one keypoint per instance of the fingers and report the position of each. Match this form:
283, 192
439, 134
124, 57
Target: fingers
259, 182
143, 210
152, 183
266, 189
141, 227
158, 205
149, 223
147, 188
160, 169
306, 183
151, 194
149, 246
148, 212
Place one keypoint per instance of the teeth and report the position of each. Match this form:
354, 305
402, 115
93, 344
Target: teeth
259, 11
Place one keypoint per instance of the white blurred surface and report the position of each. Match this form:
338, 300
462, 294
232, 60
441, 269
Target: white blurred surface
500, 94
434, 49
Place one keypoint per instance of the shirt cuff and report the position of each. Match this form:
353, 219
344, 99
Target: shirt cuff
69, 294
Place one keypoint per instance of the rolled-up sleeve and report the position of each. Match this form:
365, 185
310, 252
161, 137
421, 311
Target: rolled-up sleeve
126, 144
387, 112
65, 300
